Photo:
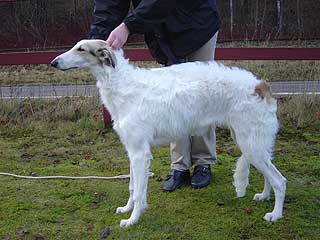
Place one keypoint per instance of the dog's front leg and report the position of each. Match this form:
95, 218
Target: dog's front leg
139, 162
129, 206
265, 195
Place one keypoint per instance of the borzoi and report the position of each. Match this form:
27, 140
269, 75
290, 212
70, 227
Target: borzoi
158, 106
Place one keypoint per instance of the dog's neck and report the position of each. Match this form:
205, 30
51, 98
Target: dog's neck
113, 84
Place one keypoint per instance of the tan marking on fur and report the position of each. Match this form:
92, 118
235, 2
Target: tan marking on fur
107, 54
263, 90
112, 56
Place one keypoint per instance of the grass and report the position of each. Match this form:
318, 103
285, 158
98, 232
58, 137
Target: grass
272, 44
53, 137
44, 74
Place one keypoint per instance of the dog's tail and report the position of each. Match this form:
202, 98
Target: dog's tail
241, 176
263, 90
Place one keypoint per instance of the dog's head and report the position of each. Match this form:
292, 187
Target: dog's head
86, 53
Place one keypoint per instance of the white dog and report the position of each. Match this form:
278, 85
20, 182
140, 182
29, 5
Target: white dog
158, 106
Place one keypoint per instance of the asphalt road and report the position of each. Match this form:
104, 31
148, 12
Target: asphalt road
279, 88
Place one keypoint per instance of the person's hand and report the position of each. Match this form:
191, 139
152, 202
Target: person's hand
118, 37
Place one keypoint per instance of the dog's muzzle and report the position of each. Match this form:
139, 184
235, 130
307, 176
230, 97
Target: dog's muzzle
57, 64
54, 63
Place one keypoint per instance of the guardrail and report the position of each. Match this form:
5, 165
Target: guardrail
143, 54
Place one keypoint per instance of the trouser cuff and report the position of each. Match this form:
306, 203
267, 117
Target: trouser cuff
211, 161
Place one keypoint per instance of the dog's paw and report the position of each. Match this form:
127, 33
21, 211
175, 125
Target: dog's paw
261, 197
241, 194
124, 209
124, 223
272, 217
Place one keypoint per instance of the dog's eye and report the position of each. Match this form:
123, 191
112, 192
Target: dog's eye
80, 49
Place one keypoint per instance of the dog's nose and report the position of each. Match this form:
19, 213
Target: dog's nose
54, 63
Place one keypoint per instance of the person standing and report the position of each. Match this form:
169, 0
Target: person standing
175, 31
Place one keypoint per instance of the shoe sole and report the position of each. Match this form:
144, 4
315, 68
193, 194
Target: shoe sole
181, 185
201, 186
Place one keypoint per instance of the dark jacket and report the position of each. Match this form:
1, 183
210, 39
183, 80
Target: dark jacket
172, 28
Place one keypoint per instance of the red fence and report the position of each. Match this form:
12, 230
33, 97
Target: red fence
144, 55
28, 25
52, 24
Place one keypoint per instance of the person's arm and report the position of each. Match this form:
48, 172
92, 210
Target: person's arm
108, 14
141, 20
148, 14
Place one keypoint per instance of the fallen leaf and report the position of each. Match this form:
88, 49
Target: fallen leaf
94, 204
219, 149
88, 142
87, 156
27, 155
89, 227
159, 179
52, 155
4, 122
105, 233
23, 232
248, 210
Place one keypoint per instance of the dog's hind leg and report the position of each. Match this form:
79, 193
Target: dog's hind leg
256, 146
265, 195
277, 182
129, 206
260, 158
256, 143
139, 160
241, 176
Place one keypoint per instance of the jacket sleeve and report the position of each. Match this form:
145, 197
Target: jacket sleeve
148, 14
107, 16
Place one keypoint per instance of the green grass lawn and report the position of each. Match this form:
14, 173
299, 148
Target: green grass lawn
53, 141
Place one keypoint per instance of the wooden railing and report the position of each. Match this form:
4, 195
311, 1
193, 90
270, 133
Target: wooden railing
142, 54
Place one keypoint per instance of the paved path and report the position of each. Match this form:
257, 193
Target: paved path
295, 87
280, 88
48, 91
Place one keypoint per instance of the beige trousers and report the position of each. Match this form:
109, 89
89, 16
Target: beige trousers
196, 150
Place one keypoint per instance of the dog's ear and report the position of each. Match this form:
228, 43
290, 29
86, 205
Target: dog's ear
106, 56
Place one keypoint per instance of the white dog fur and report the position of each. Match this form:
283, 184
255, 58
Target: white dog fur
158, 106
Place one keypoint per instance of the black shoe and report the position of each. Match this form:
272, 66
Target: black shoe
176, 179
201, 176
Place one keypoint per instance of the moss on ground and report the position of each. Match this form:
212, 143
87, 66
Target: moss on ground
82, 209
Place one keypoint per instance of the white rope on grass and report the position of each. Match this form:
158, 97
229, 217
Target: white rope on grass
125, 176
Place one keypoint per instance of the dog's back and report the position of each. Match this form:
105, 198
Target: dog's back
198, 81
187, 98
